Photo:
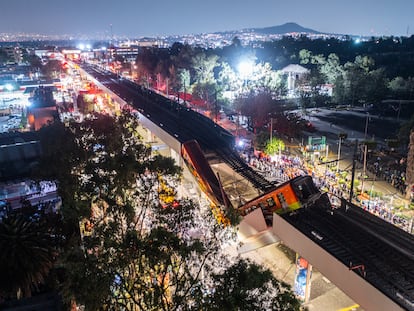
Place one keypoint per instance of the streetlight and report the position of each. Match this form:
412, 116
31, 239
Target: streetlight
9, 87
245, 69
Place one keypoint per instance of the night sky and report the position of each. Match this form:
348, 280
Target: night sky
136, 18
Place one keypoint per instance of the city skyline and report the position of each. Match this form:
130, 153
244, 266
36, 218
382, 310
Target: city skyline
165, 18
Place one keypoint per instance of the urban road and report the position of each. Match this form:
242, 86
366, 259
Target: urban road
349, 233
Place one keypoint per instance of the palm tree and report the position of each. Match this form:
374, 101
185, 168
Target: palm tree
26, 256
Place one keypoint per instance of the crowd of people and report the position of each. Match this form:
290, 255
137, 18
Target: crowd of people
285, 167
392, 171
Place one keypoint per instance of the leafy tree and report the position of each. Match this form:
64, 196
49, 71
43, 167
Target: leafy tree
136, 254
27, 254
267, 80
203, 67
228, 78
376, 86
331, 69
52, 69
244, 286
182, 55
4, 58
184, 80
275, 146
353, 81
206, 92
146, 63
305, 56
401, 88
256, 107
33, 60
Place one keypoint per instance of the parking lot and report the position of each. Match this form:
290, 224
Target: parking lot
11, 109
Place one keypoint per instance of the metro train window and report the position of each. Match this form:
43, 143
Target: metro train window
304, 191
270, 202
282, 200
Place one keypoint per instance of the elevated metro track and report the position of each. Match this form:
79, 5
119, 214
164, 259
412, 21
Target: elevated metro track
369, 249
180, 122
369, 259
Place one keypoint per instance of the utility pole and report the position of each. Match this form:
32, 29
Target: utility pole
364, 167
341, 136
366, 126
365, 153
351, 190
339, 153
271, 129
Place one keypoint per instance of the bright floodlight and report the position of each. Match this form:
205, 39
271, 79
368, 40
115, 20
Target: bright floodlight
245, 68
88, 46
81, 46
9, 87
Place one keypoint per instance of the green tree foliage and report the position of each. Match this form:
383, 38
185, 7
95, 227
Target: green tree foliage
137, 254
242, 286
358, 83
182, 55
184, 80
267, 80
228, 78
402, 88
27, 254
52, 69
150, 62
376, 86
331, 69
274, 146
203, 67
305, 56
4, 58
33, 60
206, 92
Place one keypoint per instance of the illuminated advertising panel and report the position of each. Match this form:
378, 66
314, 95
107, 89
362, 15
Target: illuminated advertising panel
303, 274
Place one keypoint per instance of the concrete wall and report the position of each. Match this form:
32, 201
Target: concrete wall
352, 284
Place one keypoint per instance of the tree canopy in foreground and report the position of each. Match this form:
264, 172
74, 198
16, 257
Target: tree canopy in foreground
127, 250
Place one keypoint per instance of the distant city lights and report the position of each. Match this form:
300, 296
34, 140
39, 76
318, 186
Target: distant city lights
82, 46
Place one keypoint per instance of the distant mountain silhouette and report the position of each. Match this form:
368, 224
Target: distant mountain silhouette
282, 29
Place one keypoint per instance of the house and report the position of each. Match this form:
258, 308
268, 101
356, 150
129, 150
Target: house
294, 72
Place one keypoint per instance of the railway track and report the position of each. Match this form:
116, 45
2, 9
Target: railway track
379, 252
184, 122
366, 244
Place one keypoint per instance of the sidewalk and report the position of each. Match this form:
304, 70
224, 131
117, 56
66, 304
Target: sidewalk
324, 294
